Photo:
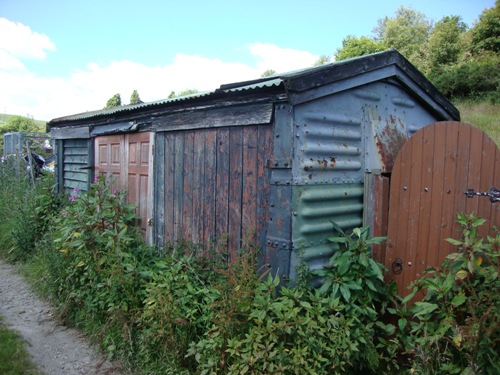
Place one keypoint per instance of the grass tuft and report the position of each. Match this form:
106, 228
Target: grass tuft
484, 115
14, 359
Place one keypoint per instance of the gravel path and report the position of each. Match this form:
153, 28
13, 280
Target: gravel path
55, 349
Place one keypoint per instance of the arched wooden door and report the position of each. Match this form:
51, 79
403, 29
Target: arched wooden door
431, 173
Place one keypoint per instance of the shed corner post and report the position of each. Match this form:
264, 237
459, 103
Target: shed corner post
279, 227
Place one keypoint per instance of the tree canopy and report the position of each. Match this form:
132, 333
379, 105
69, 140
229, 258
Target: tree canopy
134, 98
458, 60
114, 101
16, 124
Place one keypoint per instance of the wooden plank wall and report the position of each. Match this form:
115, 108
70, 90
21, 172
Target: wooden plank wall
216, 186
75, 163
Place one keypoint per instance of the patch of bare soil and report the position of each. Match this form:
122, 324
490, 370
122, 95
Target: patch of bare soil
55, 349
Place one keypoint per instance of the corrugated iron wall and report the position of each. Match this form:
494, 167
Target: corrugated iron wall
338, 139
212, 186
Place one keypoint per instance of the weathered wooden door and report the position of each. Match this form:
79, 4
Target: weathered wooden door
430, 176
127, 158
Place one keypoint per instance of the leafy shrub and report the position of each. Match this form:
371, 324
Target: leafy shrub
336, 329
456, 327
98, 253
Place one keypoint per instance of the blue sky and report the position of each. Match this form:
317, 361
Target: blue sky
64, 57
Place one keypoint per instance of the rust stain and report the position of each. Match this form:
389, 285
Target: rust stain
389, 141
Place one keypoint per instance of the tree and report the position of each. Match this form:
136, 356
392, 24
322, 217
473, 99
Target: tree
182, 93
485, 35
18, 124
268, 73
406, 32
114, 101
353, 47
134, 98
323, 59
446, 43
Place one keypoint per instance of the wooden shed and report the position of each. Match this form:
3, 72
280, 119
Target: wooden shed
269, 161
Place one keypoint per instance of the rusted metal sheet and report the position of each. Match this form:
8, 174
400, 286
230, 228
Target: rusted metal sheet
431, 173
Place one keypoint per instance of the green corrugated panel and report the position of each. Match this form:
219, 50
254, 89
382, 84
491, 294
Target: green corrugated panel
315, 206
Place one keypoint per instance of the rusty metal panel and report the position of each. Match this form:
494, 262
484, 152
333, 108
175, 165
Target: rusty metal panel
431, 173
391, 116
315, 206
329, 142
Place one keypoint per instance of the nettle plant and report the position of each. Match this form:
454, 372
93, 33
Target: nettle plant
455, 329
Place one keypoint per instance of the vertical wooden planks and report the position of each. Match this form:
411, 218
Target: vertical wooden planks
209, 188
198, 185
222, 188
249, 196
189, 186
431, 173
235, 190
178, 199
169, 181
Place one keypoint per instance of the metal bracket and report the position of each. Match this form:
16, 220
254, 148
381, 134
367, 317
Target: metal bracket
279, 243
279, 163
493, 193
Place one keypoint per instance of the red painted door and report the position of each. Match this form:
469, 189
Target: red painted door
127, 158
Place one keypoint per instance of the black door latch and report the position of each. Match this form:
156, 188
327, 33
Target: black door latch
493, 193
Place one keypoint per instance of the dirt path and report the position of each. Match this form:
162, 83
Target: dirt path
55, 349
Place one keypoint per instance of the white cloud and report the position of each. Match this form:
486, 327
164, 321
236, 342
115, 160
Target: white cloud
280, 59
19, 41
23, 92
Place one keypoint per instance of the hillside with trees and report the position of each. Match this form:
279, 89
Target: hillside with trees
461, 61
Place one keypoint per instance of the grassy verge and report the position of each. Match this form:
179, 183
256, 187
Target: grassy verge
484, 115
14, 359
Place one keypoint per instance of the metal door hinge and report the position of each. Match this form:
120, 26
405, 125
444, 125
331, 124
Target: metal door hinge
493, 193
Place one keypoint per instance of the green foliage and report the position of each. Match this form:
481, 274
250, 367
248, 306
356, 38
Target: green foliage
134, 98
323, 59
335, 329
406, 32
485, 33
268, 73
483, 114
456, 327
14, 358
114, 101
98, 253
472, 77
353, 47
182, 93
445, 45
19, 124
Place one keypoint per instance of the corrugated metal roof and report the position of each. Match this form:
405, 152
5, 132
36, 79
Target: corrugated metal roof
243, 86
295, 81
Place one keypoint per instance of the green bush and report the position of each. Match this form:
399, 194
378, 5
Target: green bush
455, 329
335, 329
97, 258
